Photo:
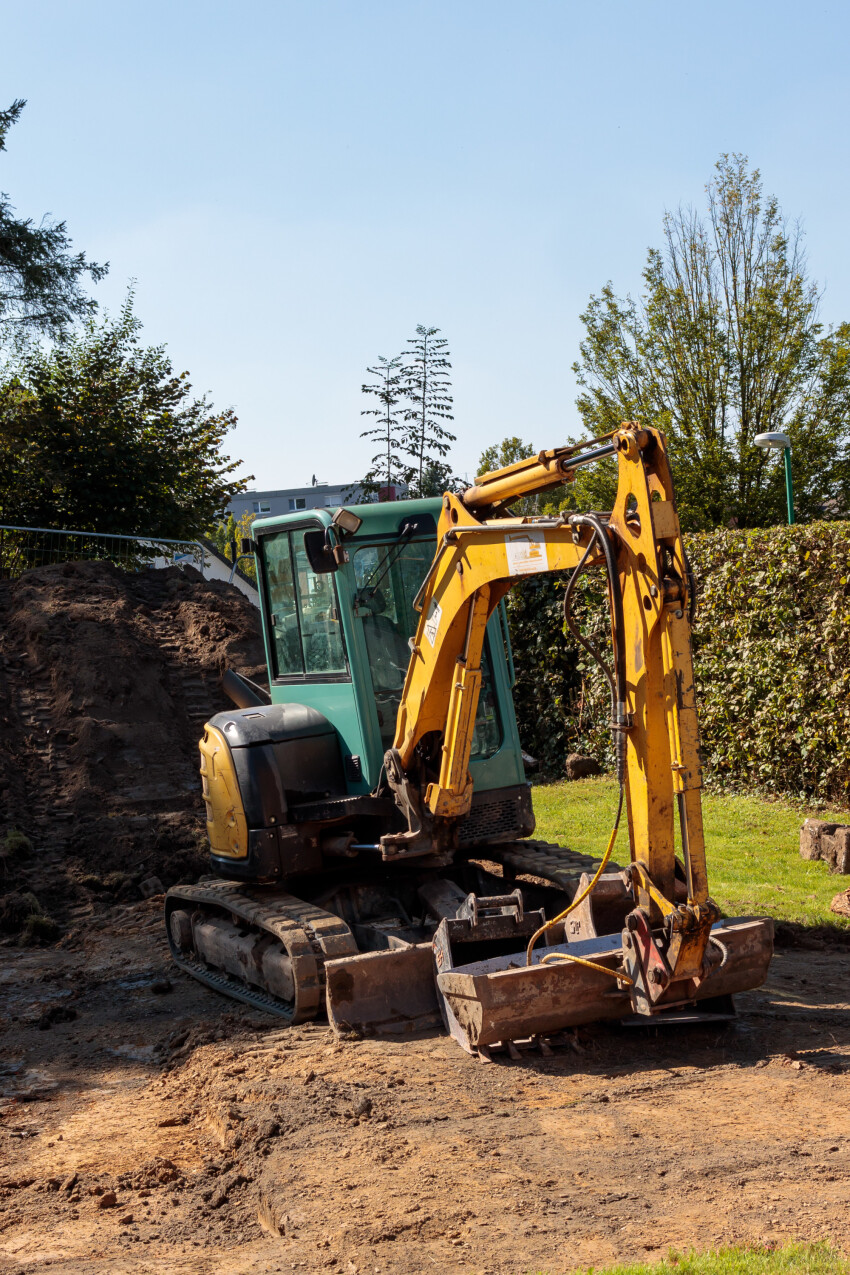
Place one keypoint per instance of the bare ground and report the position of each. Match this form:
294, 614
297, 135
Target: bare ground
150, 1130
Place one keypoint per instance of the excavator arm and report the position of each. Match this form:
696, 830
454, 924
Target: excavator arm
479, 558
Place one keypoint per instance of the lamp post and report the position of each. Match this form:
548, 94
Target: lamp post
784, 442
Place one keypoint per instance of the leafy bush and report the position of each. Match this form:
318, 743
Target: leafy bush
771, 655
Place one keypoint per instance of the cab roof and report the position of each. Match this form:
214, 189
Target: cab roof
379, 519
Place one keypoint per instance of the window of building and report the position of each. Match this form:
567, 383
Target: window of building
297, 502
262, 507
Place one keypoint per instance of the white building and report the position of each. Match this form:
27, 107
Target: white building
289, 500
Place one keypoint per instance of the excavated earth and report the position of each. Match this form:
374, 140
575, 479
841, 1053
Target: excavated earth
106, 680
147, 1125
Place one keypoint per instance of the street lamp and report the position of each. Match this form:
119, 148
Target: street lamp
783, 441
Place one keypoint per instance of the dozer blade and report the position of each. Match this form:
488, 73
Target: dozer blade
503, 999
383, 992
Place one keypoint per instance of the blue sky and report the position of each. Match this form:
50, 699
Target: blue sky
295, 186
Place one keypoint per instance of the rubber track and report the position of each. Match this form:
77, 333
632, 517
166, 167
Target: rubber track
309, 935
555, 864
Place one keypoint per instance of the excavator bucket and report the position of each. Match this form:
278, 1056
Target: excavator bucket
502, 999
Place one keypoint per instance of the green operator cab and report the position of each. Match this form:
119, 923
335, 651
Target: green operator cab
293, 786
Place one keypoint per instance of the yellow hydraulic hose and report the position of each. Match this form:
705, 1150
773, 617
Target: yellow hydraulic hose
565, 956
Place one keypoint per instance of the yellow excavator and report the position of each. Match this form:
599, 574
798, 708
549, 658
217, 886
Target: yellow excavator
369, 815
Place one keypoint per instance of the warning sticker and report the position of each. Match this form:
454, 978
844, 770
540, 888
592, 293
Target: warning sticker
432, 624
527, 553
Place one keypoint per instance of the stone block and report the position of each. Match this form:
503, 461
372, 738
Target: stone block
579, 766
835, 848
810, 837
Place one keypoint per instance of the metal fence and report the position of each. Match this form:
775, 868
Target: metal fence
24, 547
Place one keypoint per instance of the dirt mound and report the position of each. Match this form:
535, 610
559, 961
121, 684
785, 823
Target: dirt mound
106, 680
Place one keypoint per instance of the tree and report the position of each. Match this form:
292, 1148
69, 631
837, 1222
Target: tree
100, 434
426, 387
232, 531
724, 344
388, 468
40, 277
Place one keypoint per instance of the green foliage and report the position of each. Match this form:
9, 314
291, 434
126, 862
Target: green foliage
40, 278
789, 1259
752, 844
99, 433
232, 531
771, 658
724, 344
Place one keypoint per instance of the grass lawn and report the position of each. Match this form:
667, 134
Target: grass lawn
791, 1259
752, 846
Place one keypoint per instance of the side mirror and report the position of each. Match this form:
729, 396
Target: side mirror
320, 553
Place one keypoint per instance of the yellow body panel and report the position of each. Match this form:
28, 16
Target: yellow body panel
227, 827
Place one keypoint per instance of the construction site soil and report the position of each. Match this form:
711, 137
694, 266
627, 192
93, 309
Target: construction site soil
106, 680
148, 1125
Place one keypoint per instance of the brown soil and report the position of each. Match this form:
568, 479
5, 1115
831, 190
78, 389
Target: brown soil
146, 1125
106, 680
152, 1130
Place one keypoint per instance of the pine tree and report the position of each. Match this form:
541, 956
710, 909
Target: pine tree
426, 387
387, 468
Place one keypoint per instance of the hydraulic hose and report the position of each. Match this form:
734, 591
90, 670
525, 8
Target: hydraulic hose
619, 718
565, 956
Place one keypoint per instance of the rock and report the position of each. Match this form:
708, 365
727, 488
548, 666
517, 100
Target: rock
827, 841
218, 1197
267, 1129
579, 766
841, 904
835, 848
150, 887
161, 987
363, 1107
70, 1182
810, 835
108, 1200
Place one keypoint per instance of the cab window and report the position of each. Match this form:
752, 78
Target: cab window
303, 611
318, 614
387, 579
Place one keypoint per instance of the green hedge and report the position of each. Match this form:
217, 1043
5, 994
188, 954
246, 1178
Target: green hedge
771, 654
